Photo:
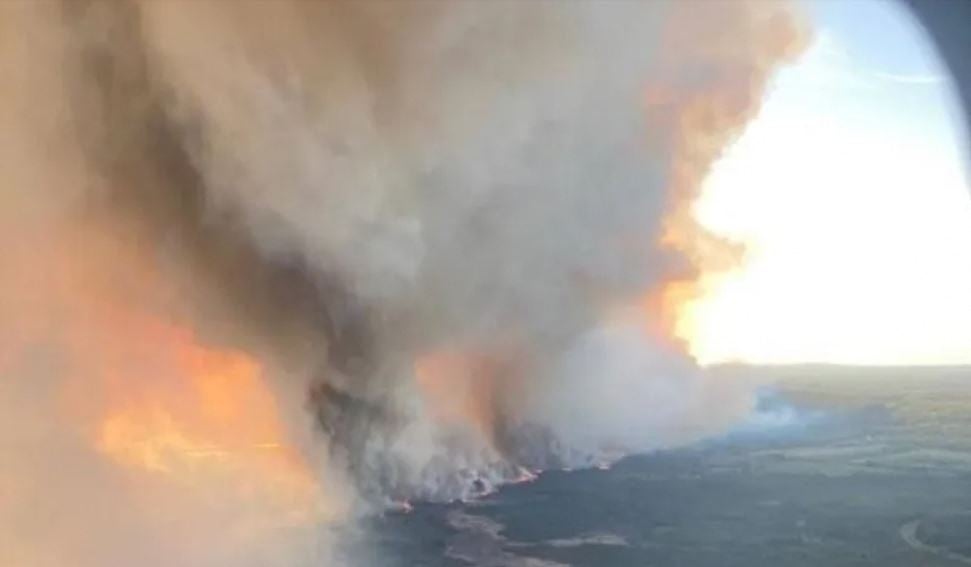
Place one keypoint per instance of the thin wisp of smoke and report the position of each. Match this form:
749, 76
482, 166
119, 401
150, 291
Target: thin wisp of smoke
273, 265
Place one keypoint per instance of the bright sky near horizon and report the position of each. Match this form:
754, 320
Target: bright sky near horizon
850, 192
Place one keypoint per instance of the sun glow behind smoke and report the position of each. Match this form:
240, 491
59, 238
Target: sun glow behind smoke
849, 195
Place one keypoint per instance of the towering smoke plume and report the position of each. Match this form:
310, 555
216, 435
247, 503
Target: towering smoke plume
273, 264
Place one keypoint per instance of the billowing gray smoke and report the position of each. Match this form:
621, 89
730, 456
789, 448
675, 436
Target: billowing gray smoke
435, 223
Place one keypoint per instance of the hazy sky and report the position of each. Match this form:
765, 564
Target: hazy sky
850, 191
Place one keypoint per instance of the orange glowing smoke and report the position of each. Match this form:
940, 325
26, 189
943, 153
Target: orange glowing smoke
701, 111
199, 416
459, 387
134, 423
205, 412
147, 392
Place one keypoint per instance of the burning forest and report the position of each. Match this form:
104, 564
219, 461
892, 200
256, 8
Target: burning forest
272, 266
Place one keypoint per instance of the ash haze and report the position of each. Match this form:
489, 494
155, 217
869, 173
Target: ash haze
850, 194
